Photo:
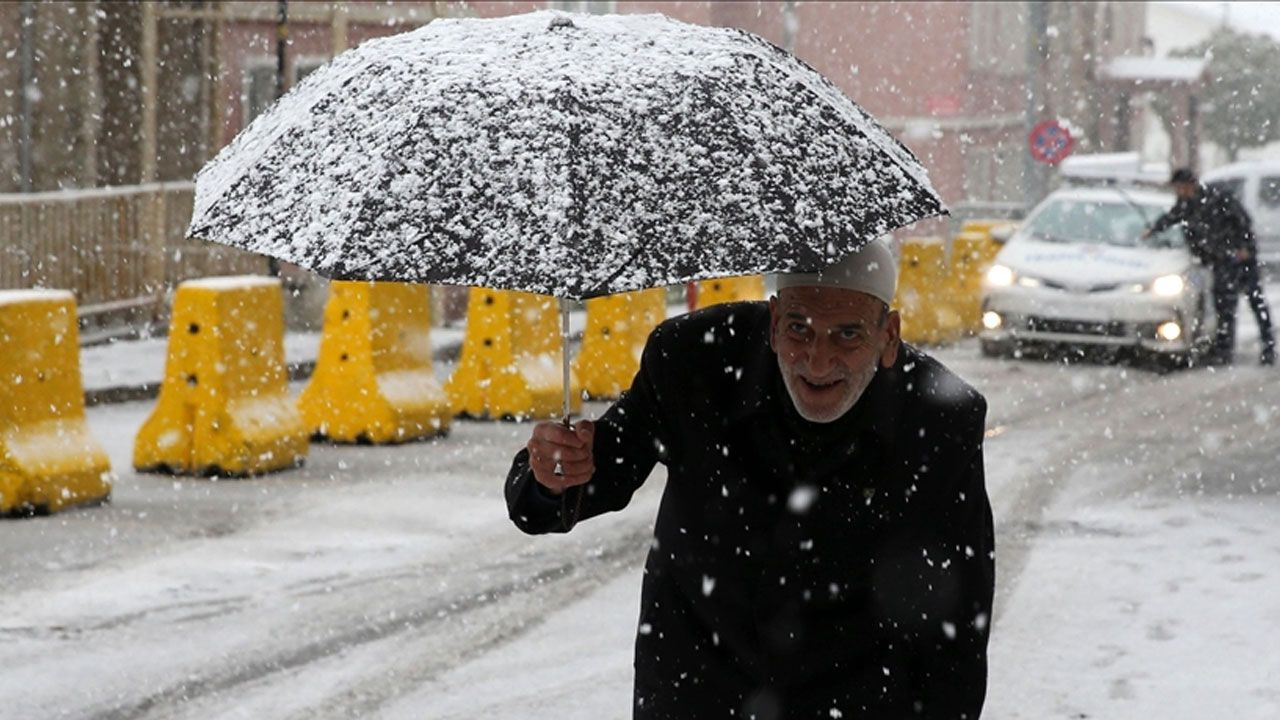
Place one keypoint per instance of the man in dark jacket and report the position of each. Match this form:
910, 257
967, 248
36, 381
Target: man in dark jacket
1219, 234
1250, 279
824, 547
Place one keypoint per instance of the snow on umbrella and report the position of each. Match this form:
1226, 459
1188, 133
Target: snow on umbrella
566, 155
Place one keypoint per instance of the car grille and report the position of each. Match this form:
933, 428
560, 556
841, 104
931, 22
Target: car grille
1147, 330
1080, 289
1075, 327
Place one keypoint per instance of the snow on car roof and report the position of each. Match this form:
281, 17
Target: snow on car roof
1114, 195
1242, 168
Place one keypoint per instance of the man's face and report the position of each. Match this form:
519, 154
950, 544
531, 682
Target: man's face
829, 342
1185, 191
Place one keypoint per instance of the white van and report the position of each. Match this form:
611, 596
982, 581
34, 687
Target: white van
1257, 185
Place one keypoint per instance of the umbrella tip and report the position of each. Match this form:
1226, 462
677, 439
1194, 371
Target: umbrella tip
561, 21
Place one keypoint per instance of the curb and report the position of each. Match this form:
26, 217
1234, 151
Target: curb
297, 371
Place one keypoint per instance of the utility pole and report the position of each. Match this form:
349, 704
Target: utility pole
217, 106
282, 40
338, 28
789, 23
1033, 180
26, 39
92, 120
148, 72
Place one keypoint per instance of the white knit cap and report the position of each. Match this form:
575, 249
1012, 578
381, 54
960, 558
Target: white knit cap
871, 270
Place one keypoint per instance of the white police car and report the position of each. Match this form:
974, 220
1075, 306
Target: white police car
1078, 273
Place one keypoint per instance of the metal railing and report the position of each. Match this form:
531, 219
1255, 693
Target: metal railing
120, 250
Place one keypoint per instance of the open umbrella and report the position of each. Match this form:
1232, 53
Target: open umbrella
567, 155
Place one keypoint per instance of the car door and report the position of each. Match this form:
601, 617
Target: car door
1266, 214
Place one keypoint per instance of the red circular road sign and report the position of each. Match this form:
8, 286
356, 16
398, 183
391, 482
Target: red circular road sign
1050, 142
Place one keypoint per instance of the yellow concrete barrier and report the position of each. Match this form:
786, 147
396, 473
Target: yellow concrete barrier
373, 380
928, 317
511, 358
224, 407
652, 309
983, 226
48, 458
972, 252
617, 327
730, 289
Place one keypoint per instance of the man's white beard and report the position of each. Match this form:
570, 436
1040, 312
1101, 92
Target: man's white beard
857, 384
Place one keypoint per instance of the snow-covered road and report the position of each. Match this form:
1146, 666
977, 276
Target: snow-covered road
1138, 554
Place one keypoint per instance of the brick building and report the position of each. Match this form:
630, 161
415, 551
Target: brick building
96, 93
950, 78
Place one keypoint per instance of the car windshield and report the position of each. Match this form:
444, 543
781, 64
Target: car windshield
1097, 222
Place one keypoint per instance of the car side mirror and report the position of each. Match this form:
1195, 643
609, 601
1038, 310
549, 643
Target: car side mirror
1002, 233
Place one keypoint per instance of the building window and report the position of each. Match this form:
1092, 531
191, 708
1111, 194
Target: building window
593, 7
1234, 187
998, 37
1008, 178
258, 90
304, 66
1269, 191
978, 173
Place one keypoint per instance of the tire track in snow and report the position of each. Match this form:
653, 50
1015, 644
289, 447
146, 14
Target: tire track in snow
1178, 396
550, 581
1063, 395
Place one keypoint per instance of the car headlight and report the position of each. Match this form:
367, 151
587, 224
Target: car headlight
1168, 285
1000, 276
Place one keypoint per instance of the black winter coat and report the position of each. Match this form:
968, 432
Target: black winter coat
797, 570
1215, 225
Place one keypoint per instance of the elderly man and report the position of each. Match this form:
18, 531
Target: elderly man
824, 546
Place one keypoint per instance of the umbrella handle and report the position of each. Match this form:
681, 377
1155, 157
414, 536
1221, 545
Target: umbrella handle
568, 425
569, 516
564, 358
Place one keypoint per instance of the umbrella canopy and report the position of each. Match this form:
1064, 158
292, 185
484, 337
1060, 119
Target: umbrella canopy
568, 155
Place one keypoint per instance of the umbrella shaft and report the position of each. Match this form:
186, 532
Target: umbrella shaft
564, 354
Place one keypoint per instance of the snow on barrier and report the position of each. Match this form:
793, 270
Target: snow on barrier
511, 358
373, 380
731, 289
224, 407
972, 252
928, 317
48, 458
617, 327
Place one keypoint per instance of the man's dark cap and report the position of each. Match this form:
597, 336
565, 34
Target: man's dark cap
1182, 175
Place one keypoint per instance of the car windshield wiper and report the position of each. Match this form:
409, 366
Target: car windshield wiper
1142, 213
